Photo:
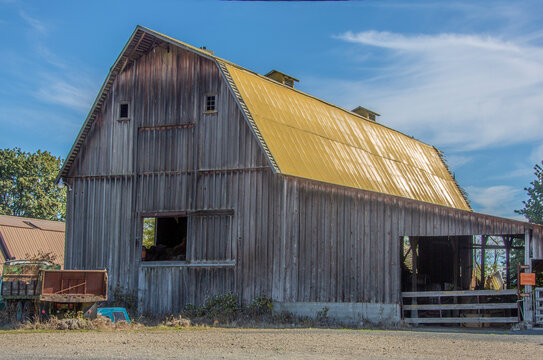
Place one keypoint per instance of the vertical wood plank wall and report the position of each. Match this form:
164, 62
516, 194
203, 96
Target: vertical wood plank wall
291, 239
343, 245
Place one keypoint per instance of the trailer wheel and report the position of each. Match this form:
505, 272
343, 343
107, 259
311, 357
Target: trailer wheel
28, 311
12, 305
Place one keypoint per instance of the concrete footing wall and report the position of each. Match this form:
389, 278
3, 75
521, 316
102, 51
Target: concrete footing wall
352, 313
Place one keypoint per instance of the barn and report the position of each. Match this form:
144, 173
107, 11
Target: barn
192, 176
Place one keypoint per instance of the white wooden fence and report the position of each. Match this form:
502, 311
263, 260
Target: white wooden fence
475, 307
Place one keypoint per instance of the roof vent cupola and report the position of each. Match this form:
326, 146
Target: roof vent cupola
210, 52
282, 78
366, 113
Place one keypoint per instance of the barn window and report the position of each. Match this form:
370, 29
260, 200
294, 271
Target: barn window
211, 102
123, 111
164, 238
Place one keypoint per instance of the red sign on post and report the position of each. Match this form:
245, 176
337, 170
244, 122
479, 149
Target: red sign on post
527, 278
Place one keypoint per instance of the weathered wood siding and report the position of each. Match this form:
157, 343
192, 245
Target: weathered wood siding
343, 245
169, 157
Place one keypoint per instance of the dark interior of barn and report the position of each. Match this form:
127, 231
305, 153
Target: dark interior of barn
164, 239
451, 278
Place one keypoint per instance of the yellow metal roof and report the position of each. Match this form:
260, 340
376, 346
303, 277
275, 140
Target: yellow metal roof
313, 139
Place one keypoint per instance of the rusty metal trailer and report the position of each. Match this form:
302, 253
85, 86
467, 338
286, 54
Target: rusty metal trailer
31, 288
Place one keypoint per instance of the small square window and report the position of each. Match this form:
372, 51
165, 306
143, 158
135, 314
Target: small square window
211, 103
123, 111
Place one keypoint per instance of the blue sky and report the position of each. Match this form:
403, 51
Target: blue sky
464, 77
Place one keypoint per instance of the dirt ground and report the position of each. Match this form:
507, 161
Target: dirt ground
215, 343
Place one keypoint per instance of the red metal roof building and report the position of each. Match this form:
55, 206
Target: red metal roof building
23, 237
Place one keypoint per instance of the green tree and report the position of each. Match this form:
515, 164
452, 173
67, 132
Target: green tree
533, 208
27, 185
149, 225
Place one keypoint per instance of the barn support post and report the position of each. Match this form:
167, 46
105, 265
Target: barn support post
483, 254
413, 241
528, 314
507, 240
454, 243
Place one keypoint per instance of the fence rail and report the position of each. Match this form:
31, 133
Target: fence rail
469, 307
538, 305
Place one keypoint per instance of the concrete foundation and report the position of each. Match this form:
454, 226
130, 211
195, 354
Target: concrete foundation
351, 313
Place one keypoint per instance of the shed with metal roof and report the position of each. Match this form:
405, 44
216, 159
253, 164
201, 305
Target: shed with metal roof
22, 237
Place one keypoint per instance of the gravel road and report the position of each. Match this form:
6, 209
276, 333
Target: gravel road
215, 343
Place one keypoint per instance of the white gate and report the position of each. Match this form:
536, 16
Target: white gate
538, 292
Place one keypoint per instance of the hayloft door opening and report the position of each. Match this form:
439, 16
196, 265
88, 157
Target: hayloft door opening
164, 238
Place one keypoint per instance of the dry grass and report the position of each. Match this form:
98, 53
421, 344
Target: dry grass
78, 323
240, 320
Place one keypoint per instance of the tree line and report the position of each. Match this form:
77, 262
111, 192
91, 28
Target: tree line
27, 185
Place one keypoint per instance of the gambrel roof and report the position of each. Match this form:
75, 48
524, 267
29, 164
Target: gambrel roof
309, 138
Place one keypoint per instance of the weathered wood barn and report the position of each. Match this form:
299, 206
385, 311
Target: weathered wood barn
250, 186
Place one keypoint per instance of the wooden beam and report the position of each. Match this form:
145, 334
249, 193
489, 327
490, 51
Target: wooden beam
486, 306
467, 320
459, 293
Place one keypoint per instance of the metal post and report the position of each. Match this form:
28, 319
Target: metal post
528, 314
414, 245
483, 254
507, 241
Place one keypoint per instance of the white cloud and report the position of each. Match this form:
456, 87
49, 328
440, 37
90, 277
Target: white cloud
33, 22
69, 91
537, 154
495, 200
466, 91
456, 161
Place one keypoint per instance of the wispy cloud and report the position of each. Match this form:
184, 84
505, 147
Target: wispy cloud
47, 76
34, 23
456, 161
496, 200
66, 91
537, 154
468, 91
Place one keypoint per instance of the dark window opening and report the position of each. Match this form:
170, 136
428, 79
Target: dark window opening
210, 103
123, 111
164, 239
289, 82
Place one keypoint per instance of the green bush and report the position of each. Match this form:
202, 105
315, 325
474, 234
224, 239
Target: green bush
260, 306
224, 307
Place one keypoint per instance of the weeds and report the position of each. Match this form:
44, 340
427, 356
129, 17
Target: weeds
260, 306
127, 300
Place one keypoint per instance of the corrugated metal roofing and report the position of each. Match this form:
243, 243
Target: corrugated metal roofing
313, 139
26, 236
